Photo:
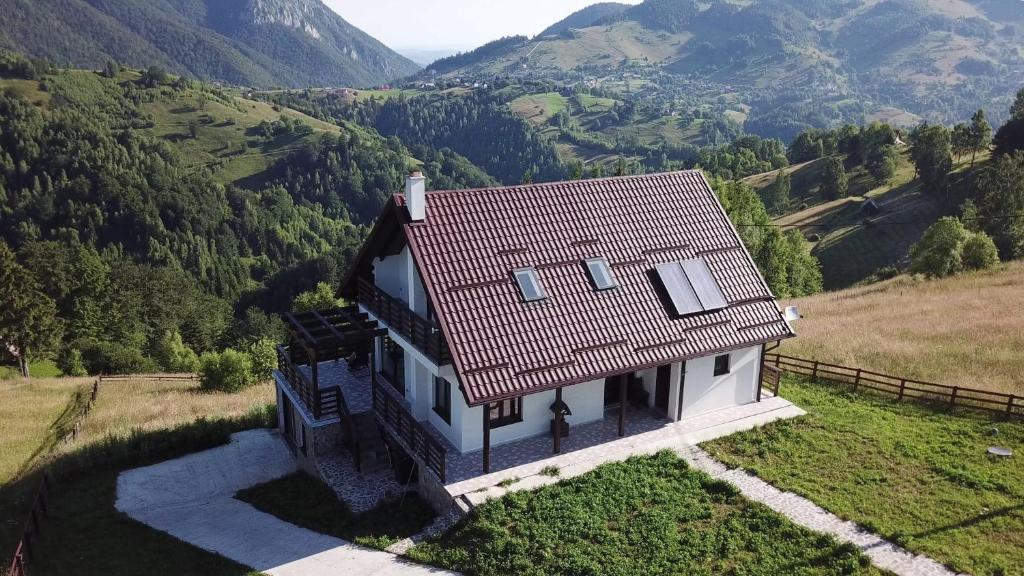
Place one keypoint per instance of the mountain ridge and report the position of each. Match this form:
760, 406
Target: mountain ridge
261, 43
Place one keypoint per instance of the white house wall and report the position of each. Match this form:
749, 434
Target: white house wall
391, 274
704, 392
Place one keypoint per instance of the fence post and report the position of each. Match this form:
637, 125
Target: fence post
903, 387
1009, 406
856, 381
952, 397
814, 373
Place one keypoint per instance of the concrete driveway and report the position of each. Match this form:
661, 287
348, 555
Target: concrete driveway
191, 498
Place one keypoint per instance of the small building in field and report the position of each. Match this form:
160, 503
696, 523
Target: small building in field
527, 315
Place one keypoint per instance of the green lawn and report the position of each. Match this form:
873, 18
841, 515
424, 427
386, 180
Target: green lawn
648, 515
912, 474
306, 501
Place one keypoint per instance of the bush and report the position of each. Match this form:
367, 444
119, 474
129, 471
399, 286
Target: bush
980, 252
173, 355
70, 362
320, 298
111, 358
263, 355
229, 371
939, 253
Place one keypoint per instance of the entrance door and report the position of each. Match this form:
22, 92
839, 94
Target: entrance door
662, 387
612, 390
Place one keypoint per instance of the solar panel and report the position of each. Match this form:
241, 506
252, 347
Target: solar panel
683, 298
529, 285
704, 284
600, 273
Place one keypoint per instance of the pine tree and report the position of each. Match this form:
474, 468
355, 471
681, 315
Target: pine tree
28, 318
981, 134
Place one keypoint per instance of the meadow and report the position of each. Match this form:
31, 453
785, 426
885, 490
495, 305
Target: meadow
962, 331
918, 476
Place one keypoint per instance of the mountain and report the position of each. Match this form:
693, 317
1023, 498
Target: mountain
262, 43
585, 18
785, 65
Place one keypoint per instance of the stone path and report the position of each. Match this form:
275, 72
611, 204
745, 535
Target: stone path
361, 492
191, 498
883, 553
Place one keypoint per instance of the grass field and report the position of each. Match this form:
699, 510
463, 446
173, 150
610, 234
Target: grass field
649, 515
306, 501
537, 109
917, 476
962, 331
132, 423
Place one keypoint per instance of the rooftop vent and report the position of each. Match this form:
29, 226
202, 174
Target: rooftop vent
416, 196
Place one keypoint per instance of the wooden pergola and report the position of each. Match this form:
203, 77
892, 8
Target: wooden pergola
333, 334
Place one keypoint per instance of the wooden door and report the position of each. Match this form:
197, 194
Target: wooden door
662, 388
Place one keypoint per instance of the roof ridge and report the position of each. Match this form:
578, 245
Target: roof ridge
557, 183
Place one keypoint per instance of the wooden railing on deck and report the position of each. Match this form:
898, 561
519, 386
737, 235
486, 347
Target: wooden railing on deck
400, 423
902, 388
770, 378
322, 402
423, 334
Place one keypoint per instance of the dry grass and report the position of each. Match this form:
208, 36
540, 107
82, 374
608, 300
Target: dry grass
125, 406
964, 331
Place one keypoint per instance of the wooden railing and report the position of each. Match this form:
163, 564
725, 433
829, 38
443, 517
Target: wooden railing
902, 388
399, 422
423, 334
322, 402
771, 377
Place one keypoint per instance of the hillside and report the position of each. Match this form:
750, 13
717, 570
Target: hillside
794, 63
260, 43
585, 18
955, 331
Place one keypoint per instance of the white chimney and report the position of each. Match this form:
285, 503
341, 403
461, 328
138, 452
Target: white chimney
416, 196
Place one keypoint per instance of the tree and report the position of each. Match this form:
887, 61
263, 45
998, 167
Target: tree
228, 371
981, 134
263, 356
980, 252
777, 198
882, 163
1010, 137
1017, 110
29, 326
320, 298
834, 183
153, 76
173, 355
960, 140
193, 128
931, 150
112, 69
1000, 203
939, 253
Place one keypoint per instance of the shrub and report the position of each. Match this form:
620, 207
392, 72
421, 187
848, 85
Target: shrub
173, 355
70, 362
980, 252
320, 298
263, 355
229, 371
111, 358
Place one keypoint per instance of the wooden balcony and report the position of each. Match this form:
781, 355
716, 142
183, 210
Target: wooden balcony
419, 442
426, 336
323, 403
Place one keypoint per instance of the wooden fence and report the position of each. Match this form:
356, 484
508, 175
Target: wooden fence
902, 388
151, 377
33, 526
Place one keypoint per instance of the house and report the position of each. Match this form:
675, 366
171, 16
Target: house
491, 316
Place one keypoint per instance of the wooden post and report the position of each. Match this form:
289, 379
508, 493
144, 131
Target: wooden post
487, 438
622, 405
903, 387
952, 397
814, 373
1009, 406
557, 447
856, 381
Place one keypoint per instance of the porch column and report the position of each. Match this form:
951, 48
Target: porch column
487, 438
558, 421
623, 384
373, 362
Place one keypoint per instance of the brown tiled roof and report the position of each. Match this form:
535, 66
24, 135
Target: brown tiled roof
471, 240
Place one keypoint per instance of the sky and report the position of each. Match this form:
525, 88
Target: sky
458, 24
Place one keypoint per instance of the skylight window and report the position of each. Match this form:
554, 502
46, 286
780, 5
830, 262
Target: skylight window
529, 284
600, 273
691, 287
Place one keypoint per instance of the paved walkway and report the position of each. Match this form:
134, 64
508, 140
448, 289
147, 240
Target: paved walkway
191, 498
883, 553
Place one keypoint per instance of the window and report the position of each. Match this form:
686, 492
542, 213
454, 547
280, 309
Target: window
443, 399
392, 364
600, 273
722, 365
505, 412
529, 285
